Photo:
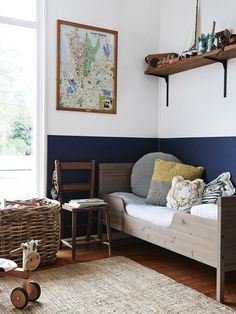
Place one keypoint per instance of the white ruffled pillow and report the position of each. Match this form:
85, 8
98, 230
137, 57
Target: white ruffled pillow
185, 193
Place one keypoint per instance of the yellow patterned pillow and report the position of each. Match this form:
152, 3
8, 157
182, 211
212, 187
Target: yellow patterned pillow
164, 172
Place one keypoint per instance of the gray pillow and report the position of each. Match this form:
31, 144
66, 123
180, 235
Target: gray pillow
143, 169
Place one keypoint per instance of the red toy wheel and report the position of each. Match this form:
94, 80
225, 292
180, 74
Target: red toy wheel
19, 298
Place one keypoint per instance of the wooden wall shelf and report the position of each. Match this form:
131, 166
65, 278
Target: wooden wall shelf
219, 55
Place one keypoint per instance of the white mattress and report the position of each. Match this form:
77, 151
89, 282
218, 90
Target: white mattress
137, 207
208, 211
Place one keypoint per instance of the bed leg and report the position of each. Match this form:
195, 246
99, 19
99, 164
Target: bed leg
220, 284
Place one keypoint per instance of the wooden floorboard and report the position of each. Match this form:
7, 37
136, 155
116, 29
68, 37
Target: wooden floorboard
182, 269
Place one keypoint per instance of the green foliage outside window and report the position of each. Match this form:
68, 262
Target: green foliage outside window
15, 114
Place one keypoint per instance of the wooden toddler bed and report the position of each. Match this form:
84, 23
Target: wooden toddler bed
212, 242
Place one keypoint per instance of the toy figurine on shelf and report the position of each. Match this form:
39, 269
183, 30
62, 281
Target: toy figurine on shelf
211, 38
202, 44
224, 38
173, 59
206, 42
31, 289
169, 59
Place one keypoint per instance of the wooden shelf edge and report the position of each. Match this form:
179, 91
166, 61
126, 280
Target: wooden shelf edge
194, 62
227, 53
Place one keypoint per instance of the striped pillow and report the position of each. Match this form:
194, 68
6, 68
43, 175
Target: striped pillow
221, 186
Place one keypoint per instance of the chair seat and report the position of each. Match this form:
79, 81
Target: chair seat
102, 218
7, 265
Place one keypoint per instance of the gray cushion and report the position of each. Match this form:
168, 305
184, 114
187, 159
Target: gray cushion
143, 169
158, 192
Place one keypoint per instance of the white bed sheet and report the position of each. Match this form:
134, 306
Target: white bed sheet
137, 207
158, 215
208, 211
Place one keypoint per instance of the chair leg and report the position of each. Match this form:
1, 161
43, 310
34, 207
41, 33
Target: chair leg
74, 227
108, 228
62, 226
90, 223
99, 224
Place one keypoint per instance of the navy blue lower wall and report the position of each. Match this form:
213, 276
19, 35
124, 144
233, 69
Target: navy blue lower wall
216, 154
102, 149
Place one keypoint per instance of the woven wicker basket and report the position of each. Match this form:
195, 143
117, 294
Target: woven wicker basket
22, 224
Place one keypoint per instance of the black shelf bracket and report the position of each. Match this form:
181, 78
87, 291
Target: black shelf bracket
167, 90
166, 77
225, 66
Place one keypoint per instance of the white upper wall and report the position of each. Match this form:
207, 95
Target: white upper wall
196, 104
137, 94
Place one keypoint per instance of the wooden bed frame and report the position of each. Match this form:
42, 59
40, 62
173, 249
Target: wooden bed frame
207, 241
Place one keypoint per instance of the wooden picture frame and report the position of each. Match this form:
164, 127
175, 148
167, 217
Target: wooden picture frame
86, 68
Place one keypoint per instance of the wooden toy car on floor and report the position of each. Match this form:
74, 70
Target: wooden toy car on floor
30, 291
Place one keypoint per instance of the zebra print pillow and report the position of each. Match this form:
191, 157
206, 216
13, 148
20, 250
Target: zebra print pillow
221, 186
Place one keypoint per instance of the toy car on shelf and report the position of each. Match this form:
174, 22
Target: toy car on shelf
188, 54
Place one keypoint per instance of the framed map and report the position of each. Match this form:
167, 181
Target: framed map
86, 68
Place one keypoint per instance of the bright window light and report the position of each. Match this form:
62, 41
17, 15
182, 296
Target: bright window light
19, 9
17, 103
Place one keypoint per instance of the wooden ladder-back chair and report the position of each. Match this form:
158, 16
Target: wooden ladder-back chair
85, 184
63, 188
75, 187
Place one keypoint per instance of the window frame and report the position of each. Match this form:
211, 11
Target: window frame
39, 134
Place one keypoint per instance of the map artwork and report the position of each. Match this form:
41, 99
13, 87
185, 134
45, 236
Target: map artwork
87, 61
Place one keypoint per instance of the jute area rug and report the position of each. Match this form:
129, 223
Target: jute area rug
113, 285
